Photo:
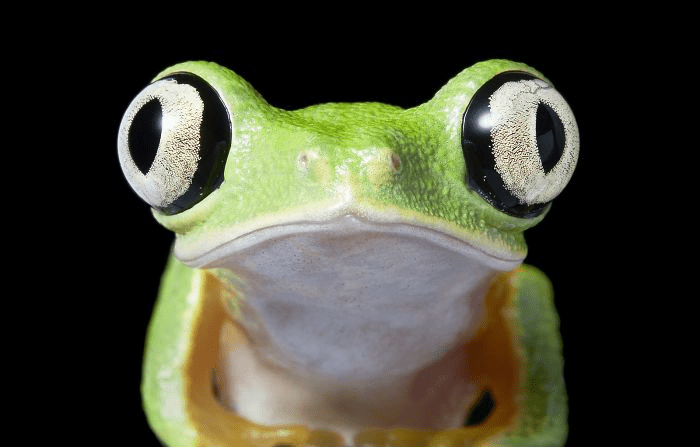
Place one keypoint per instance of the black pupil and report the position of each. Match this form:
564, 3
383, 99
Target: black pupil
144, 135
550, 136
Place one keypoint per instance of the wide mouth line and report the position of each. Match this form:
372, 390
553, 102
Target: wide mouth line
347, 223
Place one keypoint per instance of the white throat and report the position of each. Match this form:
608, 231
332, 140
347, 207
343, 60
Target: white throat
348, 302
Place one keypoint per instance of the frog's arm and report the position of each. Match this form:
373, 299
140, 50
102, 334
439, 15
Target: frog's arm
167, 346
177, 378
543, 409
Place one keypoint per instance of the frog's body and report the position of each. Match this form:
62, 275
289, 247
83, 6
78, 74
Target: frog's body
336, 280
517, 357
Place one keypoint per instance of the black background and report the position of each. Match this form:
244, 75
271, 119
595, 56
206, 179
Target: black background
119, 250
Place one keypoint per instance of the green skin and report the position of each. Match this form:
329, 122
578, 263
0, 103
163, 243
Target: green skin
425, 188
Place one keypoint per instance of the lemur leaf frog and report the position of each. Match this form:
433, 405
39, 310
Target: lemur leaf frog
351, 273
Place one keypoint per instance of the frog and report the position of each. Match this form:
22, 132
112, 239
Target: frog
352, 273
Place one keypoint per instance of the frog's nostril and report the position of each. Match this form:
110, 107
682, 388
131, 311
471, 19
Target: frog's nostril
396, 162
304, 160
314, 166
382, 166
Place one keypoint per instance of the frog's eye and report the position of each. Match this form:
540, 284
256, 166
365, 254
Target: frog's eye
520, 142
173, 142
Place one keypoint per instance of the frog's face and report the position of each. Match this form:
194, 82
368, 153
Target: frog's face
480, 162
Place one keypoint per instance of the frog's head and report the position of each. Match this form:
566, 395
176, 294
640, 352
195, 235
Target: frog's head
480, 162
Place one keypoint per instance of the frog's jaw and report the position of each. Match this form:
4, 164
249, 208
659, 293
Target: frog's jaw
356, 307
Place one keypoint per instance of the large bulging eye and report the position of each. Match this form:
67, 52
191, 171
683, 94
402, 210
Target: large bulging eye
173, 142
520, 142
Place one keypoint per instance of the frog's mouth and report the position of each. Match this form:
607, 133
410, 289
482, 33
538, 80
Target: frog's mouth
211, 252
349, 301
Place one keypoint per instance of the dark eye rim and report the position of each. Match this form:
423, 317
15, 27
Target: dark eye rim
481, 175
498, 195
209, 174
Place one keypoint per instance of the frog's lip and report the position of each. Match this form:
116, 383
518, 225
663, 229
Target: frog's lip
213, 253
